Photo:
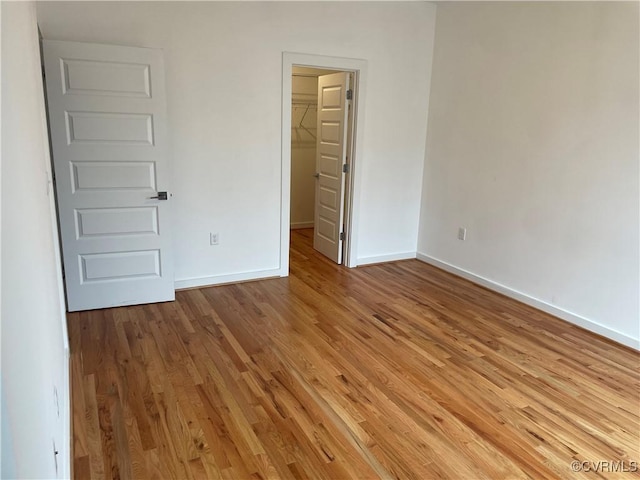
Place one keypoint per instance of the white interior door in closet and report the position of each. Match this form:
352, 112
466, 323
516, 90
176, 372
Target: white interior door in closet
331, 153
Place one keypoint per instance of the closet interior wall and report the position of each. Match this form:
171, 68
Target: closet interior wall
304, 102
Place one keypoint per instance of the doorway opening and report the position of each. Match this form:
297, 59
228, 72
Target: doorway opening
319, 145
321, 132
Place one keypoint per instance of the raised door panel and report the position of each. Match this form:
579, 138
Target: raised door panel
87, 77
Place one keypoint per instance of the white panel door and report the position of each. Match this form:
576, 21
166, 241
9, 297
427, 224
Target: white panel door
107, 116
331, 148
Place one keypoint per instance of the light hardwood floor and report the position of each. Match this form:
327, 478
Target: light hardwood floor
397, 370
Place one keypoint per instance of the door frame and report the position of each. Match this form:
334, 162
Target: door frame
353, 186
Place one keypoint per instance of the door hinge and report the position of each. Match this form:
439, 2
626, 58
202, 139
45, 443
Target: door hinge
341, 235
346, 168
349, 94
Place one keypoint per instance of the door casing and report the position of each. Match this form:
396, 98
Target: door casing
353, 185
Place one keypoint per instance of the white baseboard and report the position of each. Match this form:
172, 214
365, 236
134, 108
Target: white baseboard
229, 278
298, 225
386, 258
534, 302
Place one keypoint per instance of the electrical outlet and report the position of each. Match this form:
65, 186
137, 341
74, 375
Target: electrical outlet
214, 238
462, 233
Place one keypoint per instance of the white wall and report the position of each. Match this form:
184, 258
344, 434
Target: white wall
34, 355
224, 64
533, 147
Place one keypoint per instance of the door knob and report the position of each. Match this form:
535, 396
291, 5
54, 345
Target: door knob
160, 196
317, 175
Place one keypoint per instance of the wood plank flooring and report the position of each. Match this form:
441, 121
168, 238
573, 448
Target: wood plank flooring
397, 370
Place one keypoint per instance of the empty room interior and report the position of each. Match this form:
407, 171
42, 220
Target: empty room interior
333, 239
